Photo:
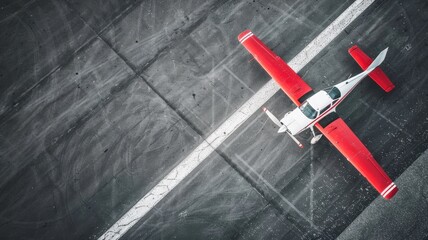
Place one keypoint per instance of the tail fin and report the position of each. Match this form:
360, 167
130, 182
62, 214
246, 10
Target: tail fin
377, 74
379, 59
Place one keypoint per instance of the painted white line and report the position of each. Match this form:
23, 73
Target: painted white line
145, 204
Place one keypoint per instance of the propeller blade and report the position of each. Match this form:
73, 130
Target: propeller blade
282, 128
272, 117
295, 140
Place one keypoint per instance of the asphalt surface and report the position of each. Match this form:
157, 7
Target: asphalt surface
100, 100
404, 217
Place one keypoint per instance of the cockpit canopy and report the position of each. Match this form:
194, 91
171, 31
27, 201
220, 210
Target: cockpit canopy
334, 93
308, 110
320, 102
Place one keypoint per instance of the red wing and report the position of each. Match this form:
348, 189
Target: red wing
287, 79
344, 139
377, 75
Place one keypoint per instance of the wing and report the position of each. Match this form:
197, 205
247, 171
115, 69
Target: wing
295, 88
344, 139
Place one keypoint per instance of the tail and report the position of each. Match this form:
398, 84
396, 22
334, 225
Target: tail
377, 75
379, 59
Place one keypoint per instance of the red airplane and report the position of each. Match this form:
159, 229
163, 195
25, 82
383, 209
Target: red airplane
319, 109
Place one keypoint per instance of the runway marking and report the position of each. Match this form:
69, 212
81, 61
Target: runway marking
201, 152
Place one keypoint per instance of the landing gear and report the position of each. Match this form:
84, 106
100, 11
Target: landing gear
316, 138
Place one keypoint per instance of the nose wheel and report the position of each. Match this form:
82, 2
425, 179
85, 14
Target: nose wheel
316, 138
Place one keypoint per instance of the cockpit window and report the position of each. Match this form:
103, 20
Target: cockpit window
308, 110
334, 93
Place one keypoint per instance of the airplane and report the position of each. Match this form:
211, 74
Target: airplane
319, 109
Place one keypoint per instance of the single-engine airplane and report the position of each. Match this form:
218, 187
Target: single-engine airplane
319, 109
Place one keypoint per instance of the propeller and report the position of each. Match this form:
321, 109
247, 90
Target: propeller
273, 118
282, 127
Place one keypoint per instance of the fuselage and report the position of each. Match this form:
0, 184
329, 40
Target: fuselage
319, 105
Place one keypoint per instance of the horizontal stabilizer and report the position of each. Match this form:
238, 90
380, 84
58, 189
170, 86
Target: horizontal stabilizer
377, 74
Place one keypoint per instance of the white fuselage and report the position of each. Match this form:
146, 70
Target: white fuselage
319, 105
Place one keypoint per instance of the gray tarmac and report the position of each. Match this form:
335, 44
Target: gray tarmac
100, 100
404, 217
